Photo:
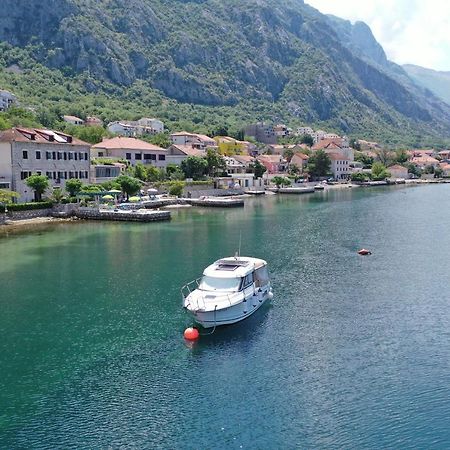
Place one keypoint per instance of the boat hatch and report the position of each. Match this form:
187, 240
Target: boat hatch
231, 265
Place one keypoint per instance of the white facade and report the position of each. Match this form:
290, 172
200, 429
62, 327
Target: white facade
136, 128
154, 124
27, 152
73, 120
7, 99
305, 130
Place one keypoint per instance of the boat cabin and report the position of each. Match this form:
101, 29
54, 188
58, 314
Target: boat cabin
234, 275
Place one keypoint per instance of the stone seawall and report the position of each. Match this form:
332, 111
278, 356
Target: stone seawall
29, 214
133, 216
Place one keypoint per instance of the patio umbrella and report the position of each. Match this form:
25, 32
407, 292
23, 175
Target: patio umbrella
108, 197
114, 191
134, 199
152, 191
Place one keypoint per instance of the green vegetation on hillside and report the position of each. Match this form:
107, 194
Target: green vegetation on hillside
204, 66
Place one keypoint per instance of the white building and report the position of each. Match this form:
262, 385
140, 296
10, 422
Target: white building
24, 152
199, 141
73, 120
7, 99
136, 128
340, 166
132, 150
151, 126
305, 130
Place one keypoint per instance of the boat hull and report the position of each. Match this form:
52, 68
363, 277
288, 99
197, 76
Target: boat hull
232, 314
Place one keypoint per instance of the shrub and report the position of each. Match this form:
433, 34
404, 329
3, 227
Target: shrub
27, 206
176, 189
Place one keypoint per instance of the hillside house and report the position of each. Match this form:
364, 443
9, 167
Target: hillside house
132, 150
7, 99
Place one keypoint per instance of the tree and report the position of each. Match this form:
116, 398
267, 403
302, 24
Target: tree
39, 183
288, 154
93, 135
153, 174
220, 131
438, 172
386, 157
140, 172
281, 181
413, 169
4, 123
257, 168
355, 144
161, 140
176, 188
363, 158
215, 162
319, 164
379, 171
7, 196
173, 172
401, 157
57, 195
293, 169
359, 176
129, 185
194, 167
428, 169
73, 186
307, 139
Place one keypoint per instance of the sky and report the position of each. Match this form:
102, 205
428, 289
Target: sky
410, 31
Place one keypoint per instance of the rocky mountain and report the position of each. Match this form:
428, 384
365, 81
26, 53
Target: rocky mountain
436, 81
273, 59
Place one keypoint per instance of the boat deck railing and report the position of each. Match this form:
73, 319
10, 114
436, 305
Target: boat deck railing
188, 288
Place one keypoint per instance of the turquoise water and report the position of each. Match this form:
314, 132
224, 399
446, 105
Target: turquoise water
353, 352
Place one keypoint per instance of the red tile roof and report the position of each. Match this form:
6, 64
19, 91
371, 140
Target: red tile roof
39, 137
337, 157
126, 143
188, 150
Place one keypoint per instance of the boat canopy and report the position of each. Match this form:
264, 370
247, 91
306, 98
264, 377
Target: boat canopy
234, 267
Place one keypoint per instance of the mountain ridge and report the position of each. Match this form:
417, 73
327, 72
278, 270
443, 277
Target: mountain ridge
265, 59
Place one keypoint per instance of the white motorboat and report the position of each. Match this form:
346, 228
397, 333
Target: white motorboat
230, 290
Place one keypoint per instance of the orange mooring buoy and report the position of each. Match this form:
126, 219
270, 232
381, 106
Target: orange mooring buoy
191, 334
364, 252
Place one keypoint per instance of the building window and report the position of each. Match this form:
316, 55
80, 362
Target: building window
147, 156
24, 154
54, 155
65, 156
48, 175
138, 156
75, 155
162, 157
86, 156
65, 175
48, 155
38, 154
128, 156
70, 155
60, 175
100, 154
59, 156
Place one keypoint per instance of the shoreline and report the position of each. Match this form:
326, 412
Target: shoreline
12, 226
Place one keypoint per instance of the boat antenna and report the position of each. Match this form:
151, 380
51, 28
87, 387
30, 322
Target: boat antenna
240, 240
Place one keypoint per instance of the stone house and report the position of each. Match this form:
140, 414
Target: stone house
132, 150
7, 99
58, 156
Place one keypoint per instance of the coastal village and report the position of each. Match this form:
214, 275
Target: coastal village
269, 158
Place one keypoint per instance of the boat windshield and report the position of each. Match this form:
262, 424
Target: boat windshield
220, 284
